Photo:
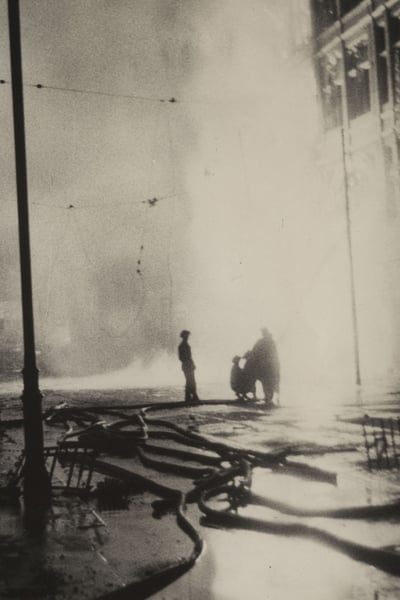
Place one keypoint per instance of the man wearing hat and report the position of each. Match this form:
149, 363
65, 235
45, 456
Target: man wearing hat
188, 367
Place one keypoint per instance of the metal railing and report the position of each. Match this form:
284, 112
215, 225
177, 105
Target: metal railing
382, 442
77, 463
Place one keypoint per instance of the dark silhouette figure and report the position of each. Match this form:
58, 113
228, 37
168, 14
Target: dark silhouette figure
240, 381
263, 365
188, 367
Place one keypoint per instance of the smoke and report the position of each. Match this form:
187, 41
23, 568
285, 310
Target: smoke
242, 233
269, 250
109, 212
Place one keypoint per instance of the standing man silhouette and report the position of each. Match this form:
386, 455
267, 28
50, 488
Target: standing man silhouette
265, 365
188, 367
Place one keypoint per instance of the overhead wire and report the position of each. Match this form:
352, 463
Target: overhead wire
149, 202
81, 236
206, 101
83, 91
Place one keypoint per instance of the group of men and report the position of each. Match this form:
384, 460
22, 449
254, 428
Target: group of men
261, 364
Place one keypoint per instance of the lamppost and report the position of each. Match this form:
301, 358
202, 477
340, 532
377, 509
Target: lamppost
37, 488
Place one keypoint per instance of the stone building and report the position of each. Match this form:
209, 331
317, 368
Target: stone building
357, 61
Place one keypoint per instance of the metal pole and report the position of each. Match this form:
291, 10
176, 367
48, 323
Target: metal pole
345, 123
351, 261
36, 479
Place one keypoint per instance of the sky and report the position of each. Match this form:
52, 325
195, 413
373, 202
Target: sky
206, 107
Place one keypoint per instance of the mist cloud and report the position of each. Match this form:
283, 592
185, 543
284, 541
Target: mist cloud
241, 235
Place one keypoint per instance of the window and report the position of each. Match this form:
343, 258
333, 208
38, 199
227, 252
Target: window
357, 77
331, 80
348, 5
382, 65
325, 14
395, 40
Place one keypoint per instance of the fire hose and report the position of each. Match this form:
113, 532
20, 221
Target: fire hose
226, 469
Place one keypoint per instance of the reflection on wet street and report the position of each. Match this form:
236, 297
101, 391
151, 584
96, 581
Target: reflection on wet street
259, 565
319, 523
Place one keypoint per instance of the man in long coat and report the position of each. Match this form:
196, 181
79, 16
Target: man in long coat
188, 367
263, 363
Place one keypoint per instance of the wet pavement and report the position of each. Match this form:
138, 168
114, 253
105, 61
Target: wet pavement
86, 551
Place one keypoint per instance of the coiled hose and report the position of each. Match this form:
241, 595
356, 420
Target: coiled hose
225, 464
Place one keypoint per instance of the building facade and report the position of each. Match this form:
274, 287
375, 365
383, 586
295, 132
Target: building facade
357, 62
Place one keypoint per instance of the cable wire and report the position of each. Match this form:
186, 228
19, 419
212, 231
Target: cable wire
41, 86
